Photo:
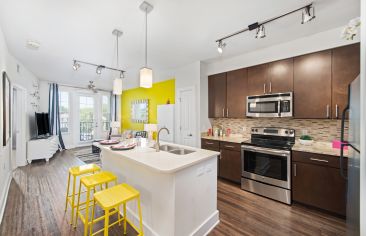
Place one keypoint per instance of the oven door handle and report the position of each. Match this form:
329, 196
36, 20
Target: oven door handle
283, 153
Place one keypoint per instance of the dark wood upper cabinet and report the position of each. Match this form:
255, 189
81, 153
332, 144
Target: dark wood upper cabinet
237, 92
313, 85
345, 68
257, 79
281, 76
217, 95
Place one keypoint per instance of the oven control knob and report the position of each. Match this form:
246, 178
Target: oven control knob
252, 130
291, 132
256, 130
286, 132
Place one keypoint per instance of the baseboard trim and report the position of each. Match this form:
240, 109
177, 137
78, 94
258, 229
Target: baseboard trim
208, 225
4, 196
204, 229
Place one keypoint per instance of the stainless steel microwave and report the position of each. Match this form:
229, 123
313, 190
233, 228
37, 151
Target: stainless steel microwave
270, 105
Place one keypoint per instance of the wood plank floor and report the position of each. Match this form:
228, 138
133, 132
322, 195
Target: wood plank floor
35, 206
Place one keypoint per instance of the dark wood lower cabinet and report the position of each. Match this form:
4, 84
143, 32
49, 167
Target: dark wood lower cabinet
320, 186
230, 165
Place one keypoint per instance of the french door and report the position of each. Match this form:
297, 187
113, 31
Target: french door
93, 117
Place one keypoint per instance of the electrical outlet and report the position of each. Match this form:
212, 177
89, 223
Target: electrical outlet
208, 168
200, 171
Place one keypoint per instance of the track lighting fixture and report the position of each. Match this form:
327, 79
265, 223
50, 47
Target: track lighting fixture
76, 65
261, 32
220, 47
308, 14
121, 75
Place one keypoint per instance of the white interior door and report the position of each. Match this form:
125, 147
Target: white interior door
18, 126
186, 116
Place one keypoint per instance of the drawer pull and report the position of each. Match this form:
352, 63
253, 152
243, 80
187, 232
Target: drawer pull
229, 146
319, 160
208, 143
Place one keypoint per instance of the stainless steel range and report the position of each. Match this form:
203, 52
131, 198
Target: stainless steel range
266, 163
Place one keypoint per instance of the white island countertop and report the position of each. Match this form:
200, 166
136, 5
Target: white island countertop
163, 161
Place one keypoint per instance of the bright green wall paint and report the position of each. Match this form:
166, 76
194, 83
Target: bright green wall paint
159, 94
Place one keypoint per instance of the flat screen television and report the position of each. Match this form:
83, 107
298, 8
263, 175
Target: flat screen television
43, 125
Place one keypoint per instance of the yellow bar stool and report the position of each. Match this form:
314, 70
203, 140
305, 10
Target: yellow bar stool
74, 172
112, 199
90, 182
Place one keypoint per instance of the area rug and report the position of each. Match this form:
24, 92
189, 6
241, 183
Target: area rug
86, 155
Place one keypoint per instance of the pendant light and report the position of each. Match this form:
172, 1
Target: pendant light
117, 82
146, 74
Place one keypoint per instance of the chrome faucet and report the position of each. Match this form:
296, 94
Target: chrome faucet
157, 145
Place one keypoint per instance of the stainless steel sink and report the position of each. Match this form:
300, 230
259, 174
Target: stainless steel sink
167, 148
181, 151
175, 150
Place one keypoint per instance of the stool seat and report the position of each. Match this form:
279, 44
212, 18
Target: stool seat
84, 169
98, 178
116, 195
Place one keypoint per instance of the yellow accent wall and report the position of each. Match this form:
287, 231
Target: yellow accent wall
159, 94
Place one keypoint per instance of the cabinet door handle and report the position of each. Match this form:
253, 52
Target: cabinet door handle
270, 87
264, 88
295, 170
227, 112
327, 111
337, 111
319, 160
223, 112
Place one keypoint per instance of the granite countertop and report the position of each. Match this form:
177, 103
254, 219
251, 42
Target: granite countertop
234, 138
318, 148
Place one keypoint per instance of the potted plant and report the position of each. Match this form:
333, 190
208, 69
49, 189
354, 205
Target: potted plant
306, 140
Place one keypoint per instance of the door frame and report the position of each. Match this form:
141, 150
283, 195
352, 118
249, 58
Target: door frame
19, 161
98, 125
179, 138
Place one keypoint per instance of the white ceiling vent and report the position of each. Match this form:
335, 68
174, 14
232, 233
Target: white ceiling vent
31, 44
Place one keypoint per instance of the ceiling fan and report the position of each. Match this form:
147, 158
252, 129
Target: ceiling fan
92, 87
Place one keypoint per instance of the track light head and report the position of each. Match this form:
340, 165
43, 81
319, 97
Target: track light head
122, 75
261, 32
220, 47
76, 65
99, 69
308, 14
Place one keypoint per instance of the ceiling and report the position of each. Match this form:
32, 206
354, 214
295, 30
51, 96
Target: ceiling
180, 32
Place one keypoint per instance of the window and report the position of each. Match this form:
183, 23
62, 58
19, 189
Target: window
64, 111
106, 112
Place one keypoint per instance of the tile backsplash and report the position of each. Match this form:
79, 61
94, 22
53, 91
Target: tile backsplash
320, 130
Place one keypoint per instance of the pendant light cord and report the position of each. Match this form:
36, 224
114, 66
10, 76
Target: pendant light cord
146, 37
117, 52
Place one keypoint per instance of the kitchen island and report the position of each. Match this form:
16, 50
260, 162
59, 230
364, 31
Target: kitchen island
178, 192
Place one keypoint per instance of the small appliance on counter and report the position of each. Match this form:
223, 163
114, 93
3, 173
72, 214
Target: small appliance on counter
266, 163
270, 105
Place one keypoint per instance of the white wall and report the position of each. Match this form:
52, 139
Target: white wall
25, 79
363, 122
317, 42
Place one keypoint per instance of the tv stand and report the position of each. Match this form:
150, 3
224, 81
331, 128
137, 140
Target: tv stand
43, 148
